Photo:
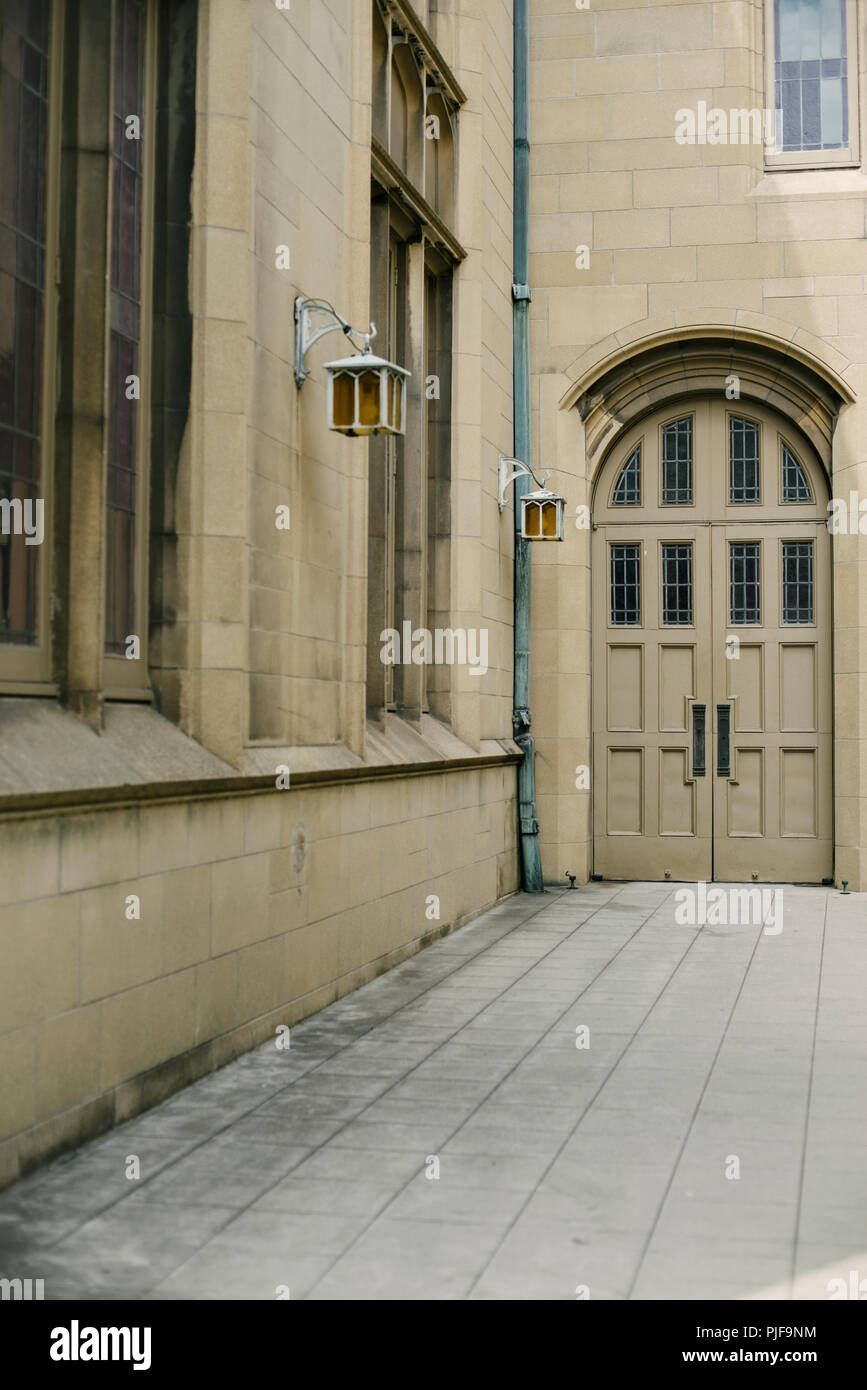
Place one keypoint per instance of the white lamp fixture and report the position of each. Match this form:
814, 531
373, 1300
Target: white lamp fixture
543, 513
366, 394
543, 516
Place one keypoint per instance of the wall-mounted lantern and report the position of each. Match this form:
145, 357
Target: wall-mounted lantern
543, 516
366, 394
543, 513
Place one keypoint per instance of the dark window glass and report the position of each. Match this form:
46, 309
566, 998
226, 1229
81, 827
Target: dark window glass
677, 462
677, 584
627, 490
797, 581
625, 585
795, 485
810, 75
24, 57
125, 322
744, 581
743, 460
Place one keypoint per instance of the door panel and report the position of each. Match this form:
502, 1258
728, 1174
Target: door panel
772, 812
652, 807
712, 697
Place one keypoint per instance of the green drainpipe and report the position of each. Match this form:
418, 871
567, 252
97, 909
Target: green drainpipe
531, 865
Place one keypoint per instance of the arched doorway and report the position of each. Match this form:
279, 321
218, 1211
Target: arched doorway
712, 694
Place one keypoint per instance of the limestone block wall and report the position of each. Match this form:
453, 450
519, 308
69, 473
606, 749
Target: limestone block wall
678, 235
255, 909
271, 625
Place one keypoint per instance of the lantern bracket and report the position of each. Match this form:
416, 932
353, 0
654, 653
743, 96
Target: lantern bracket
306, 335
519, 470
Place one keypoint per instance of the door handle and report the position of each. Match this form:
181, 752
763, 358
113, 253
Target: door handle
724, 741
698, 740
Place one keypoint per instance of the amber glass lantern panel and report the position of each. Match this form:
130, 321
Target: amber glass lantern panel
532, 520
344, 400
548, 512
368, 401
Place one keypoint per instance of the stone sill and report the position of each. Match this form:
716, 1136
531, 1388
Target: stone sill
51, 762
27, 804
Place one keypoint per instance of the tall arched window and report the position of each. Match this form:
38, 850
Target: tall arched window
413, 256
439, 157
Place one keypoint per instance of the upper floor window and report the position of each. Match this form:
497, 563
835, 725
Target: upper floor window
414, 255
812, 77
75, 347
26, 304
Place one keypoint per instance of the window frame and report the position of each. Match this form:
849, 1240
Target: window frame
760, 460
663, 425
630, 454
759, 582
672, 544
29, 670
638, 547
783, 443
796, 624
125, 679
420, 233
847, 158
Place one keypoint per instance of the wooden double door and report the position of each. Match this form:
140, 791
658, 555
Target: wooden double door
712, 694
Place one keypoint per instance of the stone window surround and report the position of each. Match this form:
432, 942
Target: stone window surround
71, 660
423, 247
821, 160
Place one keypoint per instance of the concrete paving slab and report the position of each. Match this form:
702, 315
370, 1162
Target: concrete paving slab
438, 1134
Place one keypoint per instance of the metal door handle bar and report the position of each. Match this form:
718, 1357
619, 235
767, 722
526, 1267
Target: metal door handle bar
723, 745
698, 740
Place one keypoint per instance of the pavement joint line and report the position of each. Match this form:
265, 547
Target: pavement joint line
592, 1100
245, 1114
498, 1084
800, 1200
676, 1164
443, 1043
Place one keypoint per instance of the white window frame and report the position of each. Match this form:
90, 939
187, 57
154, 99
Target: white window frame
820, 159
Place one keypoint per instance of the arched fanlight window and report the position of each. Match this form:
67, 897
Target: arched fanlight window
627, 489
795, 487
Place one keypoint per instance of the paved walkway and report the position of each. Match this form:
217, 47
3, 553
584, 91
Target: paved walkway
561, 1168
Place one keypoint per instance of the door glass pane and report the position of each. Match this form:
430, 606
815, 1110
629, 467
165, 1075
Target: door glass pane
744, 581
625, 585
795, 485
627, 491
24, 31
797, 581
677, 462
677, 584
743, 460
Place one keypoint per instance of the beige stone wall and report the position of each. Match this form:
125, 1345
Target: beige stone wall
679, 235
271, 635
255, 911
258, 908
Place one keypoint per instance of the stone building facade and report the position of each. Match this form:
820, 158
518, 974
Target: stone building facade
219, 807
